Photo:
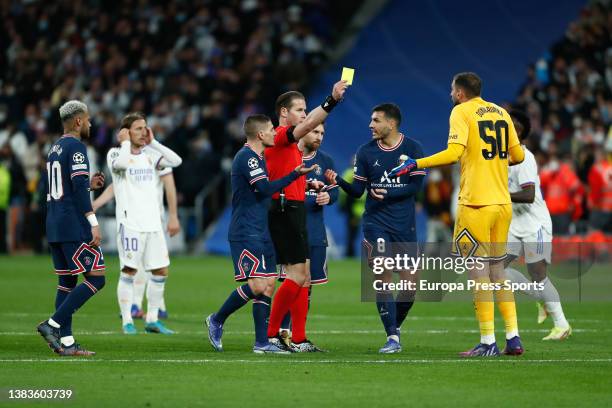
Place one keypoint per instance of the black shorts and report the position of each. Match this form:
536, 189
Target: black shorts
288, 231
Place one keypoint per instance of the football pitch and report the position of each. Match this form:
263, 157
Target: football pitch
182, 370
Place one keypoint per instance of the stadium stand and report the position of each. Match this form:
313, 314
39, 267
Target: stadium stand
195, 68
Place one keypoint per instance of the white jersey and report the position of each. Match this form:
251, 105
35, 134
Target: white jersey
137, 192
527, 218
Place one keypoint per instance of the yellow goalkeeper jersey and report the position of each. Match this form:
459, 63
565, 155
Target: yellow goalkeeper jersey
487, 132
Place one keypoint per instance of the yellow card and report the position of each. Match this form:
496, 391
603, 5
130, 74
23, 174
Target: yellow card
347, 75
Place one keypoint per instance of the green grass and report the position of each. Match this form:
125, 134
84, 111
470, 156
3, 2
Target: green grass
181, 370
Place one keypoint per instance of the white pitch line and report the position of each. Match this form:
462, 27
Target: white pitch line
277, 359
408, 331
374, 316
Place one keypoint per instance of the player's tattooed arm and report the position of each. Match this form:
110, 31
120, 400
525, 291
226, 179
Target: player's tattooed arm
354, 189
333, 192
526, 195
97, 181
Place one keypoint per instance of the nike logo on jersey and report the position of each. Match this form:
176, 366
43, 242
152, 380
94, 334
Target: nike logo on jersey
376, 164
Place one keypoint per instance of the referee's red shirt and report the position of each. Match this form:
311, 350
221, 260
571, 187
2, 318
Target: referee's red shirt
282, 159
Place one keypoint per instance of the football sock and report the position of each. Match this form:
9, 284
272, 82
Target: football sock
284, 298
155, 293
507, 308
162, 306
403, 304
518, 277
386, 311
65, 285
140, 284
67, 341
234, 301
261, 313
485, 312
125, 295
553, 305
77, 298
299, 314
549, 295
286, 323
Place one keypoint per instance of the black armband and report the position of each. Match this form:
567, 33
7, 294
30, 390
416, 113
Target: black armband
329, 103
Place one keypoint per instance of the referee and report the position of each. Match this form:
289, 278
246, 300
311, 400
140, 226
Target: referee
287, 217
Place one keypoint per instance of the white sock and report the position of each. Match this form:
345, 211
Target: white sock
155, 294
487, 339
511, 334
393, 337
53, 323
140, 283
553, 305
162, 306
67, 341
125, 294
517, 277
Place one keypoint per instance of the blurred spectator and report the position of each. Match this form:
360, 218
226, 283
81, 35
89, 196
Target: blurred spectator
353, 210
5, 194
437, 203
600, 193
194, 68
568, 96
562, 192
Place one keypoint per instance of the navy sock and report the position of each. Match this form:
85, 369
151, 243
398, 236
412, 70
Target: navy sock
386, 310
77, 298
65, 285
286, 323
261, 313
234, 301
403, 304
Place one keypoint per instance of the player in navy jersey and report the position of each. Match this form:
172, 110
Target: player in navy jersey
315, 201
390, 206
251, 246
72, 229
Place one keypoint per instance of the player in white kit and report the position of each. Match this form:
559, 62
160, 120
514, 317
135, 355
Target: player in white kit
530, 235
173, 227
140, 239
172, 223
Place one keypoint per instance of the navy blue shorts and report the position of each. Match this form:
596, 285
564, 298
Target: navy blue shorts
74, 258
318, 265
378, 242
253, 259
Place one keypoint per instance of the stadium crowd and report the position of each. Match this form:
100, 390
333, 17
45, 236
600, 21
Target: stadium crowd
198, 68
568, 97
195, 68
